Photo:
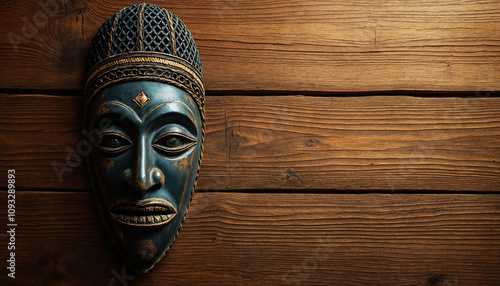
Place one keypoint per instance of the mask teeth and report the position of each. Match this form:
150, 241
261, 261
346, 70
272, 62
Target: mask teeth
121, 209
143, 219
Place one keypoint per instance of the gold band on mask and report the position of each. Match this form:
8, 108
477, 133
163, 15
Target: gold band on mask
153, 66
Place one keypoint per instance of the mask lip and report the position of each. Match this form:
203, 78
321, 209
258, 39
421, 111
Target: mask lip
152, 212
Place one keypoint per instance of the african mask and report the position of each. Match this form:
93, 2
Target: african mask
145, 107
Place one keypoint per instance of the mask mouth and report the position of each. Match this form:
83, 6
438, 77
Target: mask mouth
143, 213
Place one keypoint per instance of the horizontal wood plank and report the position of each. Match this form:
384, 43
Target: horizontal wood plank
305, 46
271, 239
286, 143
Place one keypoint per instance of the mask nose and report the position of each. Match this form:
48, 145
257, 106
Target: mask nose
143, 177
143, 183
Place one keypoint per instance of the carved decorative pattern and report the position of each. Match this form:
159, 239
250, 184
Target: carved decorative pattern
144, 27
146, 67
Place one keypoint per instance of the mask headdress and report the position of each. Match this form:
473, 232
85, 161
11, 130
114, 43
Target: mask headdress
145, 42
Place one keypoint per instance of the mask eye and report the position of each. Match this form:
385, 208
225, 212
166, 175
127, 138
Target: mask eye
173, 143
113, 143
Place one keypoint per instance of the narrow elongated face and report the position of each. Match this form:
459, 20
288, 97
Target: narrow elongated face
143, 164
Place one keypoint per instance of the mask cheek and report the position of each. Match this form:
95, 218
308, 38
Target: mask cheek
181, 174
107, 175
106, 165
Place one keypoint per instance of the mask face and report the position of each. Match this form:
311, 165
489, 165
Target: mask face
143, 164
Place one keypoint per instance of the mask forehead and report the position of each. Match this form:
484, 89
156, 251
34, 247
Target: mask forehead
145, 100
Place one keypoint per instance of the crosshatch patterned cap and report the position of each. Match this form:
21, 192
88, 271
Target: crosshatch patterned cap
145, 42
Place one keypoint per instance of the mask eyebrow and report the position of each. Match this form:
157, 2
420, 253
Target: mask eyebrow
166, 102
103, 109
165, 120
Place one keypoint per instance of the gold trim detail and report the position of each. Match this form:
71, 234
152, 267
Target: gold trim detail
146, 60
110, 42
142, 99
139, 33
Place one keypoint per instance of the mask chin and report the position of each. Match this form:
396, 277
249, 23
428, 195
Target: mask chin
142, 249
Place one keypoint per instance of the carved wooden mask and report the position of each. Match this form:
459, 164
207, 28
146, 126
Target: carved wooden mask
145, 107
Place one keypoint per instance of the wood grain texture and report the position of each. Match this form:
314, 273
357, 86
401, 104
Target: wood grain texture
272, 239
304, 46
381, 143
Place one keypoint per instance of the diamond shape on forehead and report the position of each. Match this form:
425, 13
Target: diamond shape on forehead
141, 99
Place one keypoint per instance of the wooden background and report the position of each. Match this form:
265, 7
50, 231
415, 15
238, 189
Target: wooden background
348, 143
